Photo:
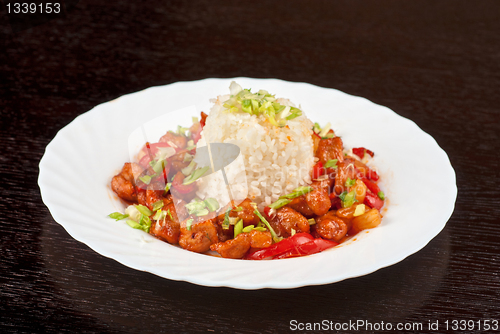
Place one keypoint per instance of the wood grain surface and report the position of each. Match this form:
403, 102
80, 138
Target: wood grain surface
434, 62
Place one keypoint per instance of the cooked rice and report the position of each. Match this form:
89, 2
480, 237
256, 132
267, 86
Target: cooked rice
276, 160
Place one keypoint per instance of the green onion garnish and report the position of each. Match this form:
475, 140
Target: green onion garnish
225, 223
381, 195
238, 228
328, 135
262, 219
181, 130
212, 204
248, 228
349, 183
325, 130
260, 103
159, 215
157, 205
238, 209
167, 187
189, 223
145, 221
348, 198
146, 179
158, 166
298, 192
143, 209
202, 212
279, 203
195, 206
195, 176
316, 128
117, 216
189, 169
331, 163
136, 225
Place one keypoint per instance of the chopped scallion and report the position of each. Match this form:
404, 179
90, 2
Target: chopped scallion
273, 233
212, 204
202, 212
157, 205
145, 178
331, 163
381, 195
136, 225
248, 228
298, 192
325, 130
348, 198
225, 223
238, 228
143, 209
189, 169
189, 223
349, 183
195, 176
117, 216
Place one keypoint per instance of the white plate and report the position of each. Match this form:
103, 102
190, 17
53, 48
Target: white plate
416, 173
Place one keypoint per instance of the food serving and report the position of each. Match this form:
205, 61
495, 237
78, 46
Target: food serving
304, 192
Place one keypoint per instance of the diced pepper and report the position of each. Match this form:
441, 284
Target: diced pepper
371, 185
318, 170
308, 248
373, 201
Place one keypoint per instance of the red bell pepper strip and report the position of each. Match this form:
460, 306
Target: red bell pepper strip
371, 185
203, 119
318, 170
360, 152
280, 247
311, 247
373, 201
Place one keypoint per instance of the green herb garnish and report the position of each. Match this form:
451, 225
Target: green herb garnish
195, 176
157, 205
212, 204
349, 183
189, 223
143, 209
262, 219
348, 198
117, 216
238, 228
279, 203
331, 163
260, 103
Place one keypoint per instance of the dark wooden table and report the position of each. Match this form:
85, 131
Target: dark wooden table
434, 62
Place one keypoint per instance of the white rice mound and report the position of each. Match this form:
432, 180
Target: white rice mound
277, 160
